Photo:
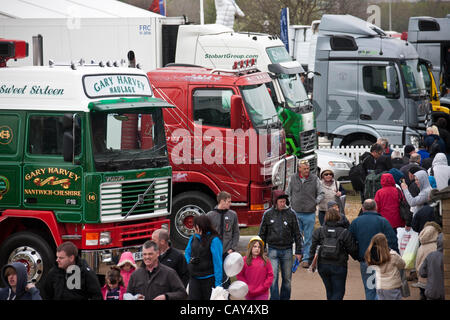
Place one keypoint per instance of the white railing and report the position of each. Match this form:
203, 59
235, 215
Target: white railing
354, 152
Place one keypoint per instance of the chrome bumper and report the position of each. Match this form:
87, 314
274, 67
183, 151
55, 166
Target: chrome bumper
100, 260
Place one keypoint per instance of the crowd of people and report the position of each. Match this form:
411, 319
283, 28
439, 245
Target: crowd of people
287, 238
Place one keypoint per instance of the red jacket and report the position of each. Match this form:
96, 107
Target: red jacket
388, 201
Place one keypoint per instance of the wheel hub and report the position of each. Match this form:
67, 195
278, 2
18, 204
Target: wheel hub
32, 260
184, 220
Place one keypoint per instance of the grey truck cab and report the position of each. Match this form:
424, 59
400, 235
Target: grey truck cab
370, 85
431, 38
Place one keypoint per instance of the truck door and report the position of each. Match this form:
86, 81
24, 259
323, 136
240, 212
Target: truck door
11, 134
48, 181
377, 106
211, 125
342, 104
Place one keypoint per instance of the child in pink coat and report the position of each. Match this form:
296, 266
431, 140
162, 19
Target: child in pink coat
127, 266
257, 272
113, 288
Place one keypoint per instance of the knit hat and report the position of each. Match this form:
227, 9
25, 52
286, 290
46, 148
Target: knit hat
280, 194
409, 148
397, 174
331, 203
326, 170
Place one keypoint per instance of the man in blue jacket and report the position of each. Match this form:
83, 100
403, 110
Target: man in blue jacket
363, 228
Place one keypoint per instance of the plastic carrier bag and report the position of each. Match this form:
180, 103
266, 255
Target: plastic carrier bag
410, 253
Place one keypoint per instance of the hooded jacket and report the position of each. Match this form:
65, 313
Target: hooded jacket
124, 258
417, 202
388, 201
428, 243
433, 269
441, 171
6, 293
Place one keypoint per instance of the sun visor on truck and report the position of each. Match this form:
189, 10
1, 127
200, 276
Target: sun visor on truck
128, 104
290, 67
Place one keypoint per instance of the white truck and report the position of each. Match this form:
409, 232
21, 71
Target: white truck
91, 30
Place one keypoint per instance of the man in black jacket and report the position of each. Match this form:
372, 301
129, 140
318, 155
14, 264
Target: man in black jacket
171, 257
154, 280
72, 279
279, 229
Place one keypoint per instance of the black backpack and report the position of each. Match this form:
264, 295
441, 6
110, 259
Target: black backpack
331, 245
356, 175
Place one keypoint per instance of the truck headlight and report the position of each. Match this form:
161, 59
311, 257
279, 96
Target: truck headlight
339, 165
105, 238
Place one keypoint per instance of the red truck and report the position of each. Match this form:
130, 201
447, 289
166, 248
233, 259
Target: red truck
223, 135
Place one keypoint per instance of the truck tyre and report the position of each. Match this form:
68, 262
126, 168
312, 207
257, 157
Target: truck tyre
30, 249
361, 142
185, 207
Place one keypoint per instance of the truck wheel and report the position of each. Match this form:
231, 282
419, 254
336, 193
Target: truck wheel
185, 207
30, 249
361, 142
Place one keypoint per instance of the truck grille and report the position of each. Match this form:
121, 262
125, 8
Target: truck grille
117, 199
308, 141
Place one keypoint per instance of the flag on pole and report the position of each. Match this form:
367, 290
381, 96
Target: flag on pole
158, 6
284, 27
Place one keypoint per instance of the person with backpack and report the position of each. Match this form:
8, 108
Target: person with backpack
363, 228
336, 244
388, 201
366, 166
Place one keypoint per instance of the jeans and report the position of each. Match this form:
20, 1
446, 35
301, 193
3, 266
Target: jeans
306, 221
281, 258
334, 278
368, 279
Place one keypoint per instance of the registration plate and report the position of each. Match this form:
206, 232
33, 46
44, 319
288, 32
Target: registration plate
137, 256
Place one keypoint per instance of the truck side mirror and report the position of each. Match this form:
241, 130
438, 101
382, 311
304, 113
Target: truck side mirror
69, 126
391, 79
236, 112
68, 146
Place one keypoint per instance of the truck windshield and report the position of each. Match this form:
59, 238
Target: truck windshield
259, 106
413, 77
293, 90
128, 141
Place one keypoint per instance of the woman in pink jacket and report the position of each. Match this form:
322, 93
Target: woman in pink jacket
388, 201
257, 272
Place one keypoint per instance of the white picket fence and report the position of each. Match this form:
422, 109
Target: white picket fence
354, 152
